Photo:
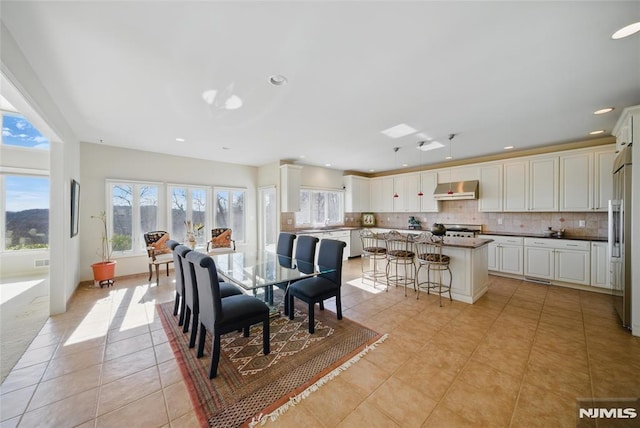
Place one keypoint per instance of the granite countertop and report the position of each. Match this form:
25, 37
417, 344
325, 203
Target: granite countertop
328, 229
542, 235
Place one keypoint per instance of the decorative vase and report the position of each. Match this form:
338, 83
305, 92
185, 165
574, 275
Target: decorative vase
104, 272
191, 240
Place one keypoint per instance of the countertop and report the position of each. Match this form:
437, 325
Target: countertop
542, 235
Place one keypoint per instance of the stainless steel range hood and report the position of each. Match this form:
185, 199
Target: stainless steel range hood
456, 190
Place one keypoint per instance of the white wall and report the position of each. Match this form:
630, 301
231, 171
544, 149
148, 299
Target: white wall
99, 163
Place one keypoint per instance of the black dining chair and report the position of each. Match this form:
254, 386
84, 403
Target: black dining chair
179, 302
223, 315
304, 258
191, 298
319, 288
284, 247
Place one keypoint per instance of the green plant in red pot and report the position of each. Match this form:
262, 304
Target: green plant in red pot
104, 270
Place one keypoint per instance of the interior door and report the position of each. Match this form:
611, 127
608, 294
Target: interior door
267, 219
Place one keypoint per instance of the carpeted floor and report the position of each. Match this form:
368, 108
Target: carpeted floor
250, 385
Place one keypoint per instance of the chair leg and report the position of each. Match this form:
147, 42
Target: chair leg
183, 305
167, 269
339, 306
187, 318
245, 331
215, 356
201, 339
150, 272
291, 306
266, 347
157, 274
321, 304
194, 330
312, 321
176, 305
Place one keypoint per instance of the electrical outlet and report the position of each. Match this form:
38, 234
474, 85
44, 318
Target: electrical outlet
289, 221
499, 221
581, 223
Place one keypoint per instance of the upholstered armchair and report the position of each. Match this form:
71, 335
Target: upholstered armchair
158, 251
221, 238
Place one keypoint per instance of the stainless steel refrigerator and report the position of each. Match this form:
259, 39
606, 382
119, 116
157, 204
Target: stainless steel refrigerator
620, 236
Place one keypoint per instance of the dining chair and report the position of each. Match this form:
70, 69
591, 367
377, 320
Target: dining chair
304, 257
284, 246
157, 251
324, 286
191, 297
223, 315
179, 275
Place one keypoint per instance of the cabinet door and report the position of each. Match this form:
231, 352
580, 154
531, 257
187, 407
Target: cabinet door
538, 262
573, 266
406, 187
490, 199
603, 178
600, 265
543, 184
363, 195
428, 182
511, 259
492, 256
575, 182
382, 195
516, 186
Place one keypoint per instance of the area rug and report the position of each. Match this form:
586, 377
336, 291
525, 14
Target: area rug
251, 388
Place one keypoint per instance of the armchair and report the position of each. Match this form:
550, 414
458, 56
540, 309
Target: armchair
221, 238
158, 251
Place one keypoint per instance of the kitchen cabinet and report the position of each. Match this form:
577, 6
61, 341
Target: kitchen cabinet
626, 129
505, 254
459, 173
406, 186
355, 247
586, 180
516, 185
338, 235
490, 197
543, 184
558, 260
381, 194
290, 179
428, 183
357, 194
600, 273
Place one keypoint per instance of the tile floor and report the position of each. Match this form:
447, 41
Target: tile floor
519, 357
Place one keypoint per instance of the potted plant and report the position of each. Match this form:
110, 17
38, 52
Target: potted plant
104, 270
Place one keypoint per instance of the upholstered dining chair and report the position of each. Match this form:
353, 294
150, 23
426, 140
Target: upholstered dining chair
191, 298
158, 251
221, 239
284, 247
223, 315
179, 274
304, 257
319, 288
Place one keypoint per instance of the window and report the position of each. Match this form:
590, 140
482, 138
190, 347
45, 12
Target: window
320, 207
18, 131
230, 211
133, 212
189, 204
25, 212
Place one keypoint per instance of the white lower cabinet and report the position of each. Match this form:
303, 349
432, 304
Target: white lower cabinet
505, 254
558, 260
600, 273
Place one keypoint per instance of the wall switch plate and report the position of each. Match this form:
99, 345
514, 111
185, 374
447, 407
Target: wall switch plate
289, 221
581, 223
499, 221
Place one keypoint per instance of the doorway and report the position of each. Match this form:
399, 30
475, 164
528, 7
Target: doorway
268, 219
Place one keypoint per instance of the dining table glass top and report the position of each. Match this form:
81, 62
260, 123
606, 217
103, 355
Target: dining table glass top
253, 270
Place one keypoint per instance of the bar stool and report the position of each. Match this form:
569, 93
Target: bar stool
429, 251
372, 254
400, 255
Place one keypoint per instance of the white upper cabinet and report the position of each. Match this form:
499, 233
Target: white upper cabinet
543, 184
459, 173
406, 186
516, 186
357, 194
381, 194
428, 182
490, 193
290, 180
586, 180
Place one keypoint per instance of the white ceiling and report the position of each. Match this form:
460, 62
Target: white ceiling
526, 74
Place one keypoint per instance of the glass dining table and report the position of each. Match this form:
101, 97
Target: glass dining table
259, 272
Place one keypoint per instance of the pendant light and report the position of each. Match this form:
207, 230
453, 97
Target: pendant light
420, 147
450, 192
395, 149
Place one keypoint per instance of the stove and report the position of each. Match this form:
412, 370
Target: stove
463, 230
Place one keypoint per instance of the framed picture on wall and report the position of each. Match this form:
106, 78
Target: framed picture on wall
75, 207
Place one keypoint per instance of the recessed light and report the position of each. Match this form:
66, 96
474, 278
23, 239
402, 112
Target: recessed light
226, 148
398, 131
448, 157
626, 31
301, 156
508, 147
327, 164
372, 170
180, 140
278, 80
599, 131
405, 164
604, 110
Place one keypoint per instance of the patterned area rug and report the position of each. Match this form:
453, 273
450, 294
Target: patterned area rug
251, 387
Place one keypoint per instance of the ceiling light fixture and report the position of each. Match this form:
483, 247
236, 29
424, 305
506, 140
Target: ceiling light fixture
395, 149
599, 131
398, 131
450, 192
626, 31
278, 80
420, 193
604, 110
180, 140
508, 147
327, 164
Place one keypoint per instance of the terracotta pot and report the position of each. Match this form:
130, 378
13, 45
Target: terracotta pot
104, 271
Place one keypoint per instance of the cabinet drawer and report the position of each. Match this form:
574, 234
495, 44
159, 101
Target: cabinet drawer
560, 244
512, 240
540, 242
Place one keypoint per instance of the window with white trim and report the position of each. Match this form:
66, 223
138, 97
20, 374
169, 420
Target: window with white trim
230, 211
320, 208
189, 208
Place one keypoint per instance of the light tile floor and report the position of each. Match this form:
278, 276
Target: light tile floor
519, 357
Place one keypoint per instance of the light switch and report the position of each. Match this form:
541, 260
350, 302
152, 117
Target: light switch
499, 221
581, 223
